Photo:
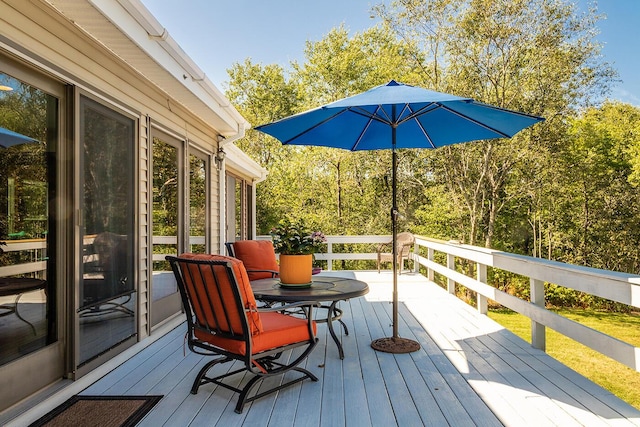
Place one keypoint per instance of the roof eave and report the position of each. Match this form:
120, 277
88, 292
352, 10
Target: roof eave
183, 80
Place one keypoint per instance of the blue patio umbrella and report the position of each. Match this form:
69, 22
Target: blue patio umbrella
393, 116
9, 138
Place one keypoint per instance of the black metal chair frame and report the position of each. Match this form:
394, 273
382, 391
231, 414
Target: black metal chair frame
261, 365
230, 251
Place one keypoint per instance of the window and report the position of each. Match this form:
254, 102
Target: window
198, 212
239, 209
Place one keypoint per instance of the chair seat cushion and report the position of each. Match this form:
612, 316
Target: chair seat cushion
256, 255
277, 330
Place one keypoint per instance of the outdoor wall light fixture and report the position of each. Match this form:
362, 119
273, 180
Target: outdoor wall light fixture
220, 154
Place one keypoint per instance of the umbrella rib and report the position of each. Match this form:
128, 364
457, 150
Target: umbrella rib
426, 134
314, 126
413, 114
364, 131
420, 112
372, 116
482, 125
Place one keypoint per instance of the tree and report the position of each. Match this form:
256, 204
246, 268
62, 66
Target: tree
600, 206
544, 192
337, 67
338, 191
263, 94
536, 56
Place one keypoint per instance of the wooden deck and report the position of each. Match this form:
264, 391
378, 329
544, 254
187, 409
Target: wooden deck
468, 372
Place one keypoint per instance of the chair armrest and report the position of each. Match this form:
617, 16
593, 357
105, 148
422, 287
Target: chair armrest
383, 247
273, 272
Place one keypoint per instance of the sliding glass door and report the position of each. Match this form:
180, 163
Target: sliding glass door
31, 337
107, 292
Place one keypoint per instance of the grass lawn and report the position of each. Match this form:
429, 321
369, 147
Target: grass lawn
614, 376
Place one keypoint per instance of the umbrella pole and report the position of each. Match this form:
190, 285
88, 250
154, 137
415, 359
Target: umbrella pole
394, 235
394, 344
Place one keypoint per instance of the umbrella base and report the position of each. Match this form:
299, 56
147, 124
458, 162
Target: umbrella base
395, 345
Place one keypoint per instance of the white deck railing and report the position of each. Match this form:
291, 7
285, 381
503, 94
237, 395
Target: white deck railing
330, 256
619, 287
35, 261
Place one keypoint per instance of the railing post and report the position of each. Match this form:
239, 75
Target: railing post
430, 256
481, 277
451, 265
538, 336
329, 257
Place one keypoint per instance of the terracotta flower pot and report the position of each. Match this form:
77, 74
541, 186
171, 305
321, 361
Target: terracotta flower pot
296, 269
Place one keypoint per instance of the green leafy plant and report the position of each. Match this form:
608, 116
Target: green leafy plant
295, 238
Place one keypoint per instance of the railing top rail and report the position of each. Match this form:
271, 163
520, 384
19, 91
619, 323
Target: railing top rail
362, 238
24, 244
533, 266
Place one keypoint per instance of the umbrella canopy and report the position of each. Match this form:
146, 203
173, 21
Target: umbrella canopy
422, 119
9, 138
396, 116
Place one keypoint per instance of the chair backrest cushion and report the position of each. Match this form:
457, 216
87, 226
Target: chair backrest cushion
256, 255
200, 281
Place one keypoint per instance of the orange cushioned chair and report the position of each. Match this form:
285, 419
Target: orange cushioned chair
223, 320
258, 256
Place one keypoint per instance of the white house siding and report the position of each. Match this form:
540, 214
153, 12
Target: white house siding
73, 42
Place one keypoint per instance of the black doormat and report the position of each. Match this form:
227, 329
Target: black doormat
99, 411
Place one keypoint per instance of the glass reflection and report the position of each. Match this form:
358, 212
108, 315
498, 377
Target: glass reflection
107, 292
197, 204
28, 130
165, 216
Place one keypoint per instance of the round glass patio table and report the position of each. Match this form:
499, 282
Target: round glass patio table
322, 289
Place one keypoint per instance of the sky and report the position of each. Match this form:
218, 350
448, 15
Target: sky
218, 33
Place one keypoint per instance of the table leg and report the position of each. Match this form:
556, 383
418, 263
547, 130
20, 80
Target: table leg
338, 316
334, 314
22, 318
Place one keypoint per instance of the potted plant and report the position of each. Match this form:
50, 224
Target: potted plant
296, 245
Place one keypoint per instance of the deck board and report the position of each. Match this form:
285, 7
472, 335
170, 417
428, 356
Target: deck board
379, 403
469, 371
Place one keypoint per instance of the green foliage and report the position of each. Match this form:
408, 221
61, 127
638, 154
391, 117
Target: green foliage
342, 192
566, 189
535, 56
23, 167
598, 215
437, 217
295, 238
510, 283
